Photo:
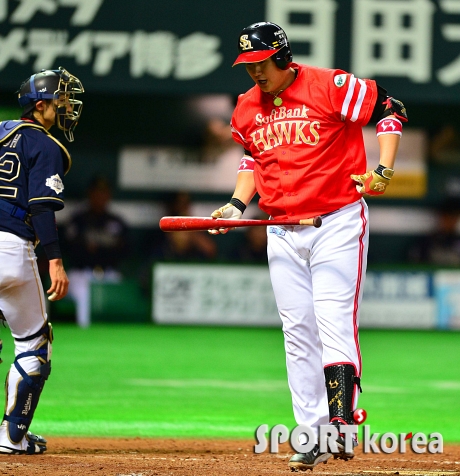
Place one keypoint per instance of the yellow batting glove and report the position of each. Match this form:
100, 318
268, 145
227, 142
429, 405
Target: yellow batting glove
228, 211
374, 182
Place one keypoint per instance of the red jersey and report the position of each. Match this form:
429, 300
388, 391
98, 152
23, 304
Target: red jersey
305, 150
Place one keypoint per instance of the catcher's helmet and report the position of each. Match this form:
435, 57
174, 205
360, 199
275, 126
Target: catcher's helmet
259, 41
56, 84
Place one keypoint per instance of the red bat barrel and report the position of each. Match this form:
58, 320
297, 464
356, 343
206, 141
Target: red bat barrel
186, 223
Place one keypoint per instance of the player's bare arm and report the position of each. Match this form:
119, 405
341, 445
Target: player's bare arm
245, 187
389, 144
390, 114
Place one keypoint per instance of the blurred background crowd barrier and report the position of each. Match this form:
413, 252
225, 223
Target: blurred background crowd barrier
160, 91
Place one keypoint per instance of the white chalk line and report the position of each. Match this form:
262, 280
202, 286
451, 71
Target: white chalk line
103, 427
277, 385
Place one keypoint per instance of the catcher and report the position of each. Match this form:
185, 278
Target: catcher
32, 165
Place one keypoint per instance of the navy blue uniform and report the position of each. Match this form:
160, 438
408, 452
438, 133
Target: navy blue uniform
32, 165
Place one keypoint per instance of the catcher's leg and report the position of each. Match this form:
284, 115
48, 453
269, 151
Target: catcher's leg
24, 384
341, 385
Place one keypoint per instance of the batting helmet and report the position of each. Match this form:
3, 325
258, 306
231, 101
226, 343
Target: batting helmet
54, 84
259, 41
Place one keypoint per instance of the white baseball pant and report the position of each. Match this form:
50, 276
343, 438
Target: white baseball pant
317, 276
22, 301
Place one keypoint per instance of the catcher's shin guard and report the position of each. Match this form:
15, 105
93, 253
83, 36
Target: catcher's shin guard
23, 388
340, 383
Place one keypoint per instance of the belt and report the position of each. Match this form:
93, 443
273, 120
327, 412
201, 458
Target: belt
13, 210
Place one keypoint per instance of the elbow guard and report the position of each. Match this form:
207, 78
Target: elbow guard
395, 108
386, 106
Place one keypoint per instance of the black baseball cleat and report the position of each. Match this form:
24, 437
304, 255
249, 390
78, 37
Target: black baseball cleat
304, 461
36, 445
342, 454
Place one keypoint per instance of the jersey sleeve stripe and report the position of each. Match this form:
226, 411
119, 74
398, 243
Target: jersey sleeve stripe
237, 132
349, 96
359, 102
46, 198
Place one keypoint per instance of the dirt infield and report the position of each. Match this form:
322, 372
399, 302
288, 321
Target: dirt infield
146, 457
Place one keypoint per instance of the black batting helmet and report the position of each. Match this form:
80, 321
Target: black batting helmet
259, 41
54, 84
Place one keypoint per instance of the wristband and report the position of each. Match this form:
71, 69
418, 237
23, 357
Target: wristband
52, 250
389, 126
384, 172
247, 164
238, 204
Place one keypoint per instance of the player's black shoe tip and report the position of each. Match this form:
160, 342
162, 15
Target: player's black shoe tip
307, 461
342, 453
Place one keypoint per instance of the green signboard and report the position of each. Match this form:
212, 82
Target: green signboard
412, 47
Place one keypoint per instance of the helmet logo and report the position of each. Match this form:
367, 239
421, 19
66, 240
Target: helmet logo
245, 44
42, 90
281, 37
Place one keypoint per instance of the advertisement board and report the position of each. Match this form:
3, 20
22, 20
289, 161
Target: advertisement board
410, 46
217, 295
243, 296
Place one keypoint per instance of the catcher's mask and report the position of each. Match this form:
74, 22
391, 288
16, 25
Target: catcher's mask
59, 85
259, 41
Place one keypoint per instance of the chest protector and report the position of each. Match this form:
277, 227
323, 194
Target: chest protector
9, 128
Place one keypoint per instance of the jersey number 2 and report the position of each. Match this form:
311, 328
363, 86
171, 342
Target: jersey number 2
9, 172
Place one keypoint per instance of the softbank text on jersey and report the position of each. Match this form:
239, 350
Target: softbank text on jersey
302, 439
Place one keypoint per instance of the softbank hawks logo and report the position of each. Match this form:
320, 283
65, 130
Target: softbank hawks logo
282, 113
302, 440
285, 126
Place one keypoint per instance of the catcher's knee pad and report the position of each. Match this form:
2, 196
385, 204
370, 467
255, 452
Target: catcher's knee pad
340, 384
20, 407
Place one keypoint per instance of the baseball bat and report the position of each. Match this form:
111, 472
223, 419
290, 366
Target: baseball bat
177, 223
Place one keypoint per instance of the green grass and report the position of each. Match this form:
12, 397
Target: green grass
412, 380
145, 380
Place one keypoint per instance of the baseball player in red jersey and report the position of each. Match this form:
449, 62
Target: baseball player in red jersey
301, 130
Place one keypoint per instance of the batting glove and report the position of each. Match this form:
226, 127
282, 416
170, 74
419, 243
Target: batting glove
374, 182
232, 210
